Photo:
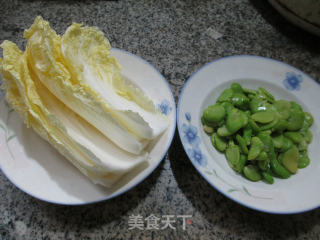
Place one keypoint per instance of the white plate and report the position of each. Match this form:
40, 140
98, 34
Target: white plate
38, 169
295, 19
298, 193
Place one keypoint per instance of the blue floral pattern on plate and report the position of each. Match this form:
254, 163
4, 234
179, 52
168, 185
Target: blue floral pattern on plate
165, 107
197, 156
192, 139
190, 135
292, 81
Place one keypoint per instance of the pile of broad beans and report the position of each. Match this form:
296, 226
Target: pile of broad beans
261, 137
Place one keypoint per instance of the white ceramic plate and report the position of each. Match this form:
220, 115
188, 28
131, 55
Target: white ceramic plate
38, 169
295, 19
298, 193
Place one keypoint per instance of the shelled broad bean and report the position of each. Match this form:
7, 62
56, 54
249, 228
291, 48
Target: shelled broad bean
261, 137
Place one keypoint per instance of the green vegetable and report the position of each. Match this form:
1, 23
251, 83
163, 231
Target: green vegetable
255, 148
249, 91
251, 96
227, 106
263, 156
287, 143
275, 165
239, 100
236, 119
280, 158
308, 136
207, 129
296, 106
257, 105
267, 131
270, 125
226, 95
263, 117
261, 137
214, 114
254, 126
290, 159
237, 88
283, 108
242, 144
252, 173
247, 133
233, 156
219, 143
295, 120
303, 145
268, 177
242, 163
203, 121
296, 137
224, 131
308, 118
280, 126
264, 165
268, 95
304, 160
278, 141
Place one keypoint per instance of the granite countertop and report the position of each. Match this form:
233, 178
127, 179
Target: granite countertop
177, 37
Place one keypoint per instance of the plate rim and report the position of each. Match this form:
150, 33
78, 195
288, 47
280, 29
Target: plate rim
295, 19
116, 194
198, 168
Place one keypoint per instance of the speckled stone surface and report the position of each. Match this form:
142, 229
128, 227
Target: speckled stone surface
176, 36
